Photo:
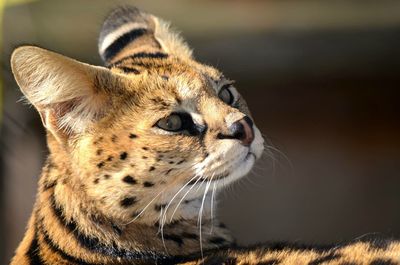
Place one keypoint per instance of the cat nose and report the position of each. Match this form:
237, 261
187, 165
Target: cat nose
241, 130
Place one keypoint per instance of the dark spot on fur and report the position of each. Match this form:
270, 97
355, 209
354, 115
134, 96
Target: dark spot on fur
96, 181
174, 238
148, 184
106, 176
158, 207
132, 165
168, 171
116, 229
98, 140
152, 168
269, 262
129, 70
128, 201
145, 148
132, 136
109, 158
180, 162
383, 262
220, 259
321, 260
129, 179
144, 157
123, 155
100, 165
171, 162
114, 138
217, 240
190, 236
48, 185
99, 151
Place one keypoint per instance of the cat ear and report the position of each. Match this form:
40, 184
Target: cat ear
127, 31
69, 95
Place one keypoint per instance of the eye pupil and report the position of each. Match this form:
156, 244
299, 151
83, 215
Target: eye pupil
226, 95
170, 123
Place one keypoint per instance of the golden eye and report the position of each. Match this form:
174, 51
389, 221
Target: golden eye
226, 95
171, 123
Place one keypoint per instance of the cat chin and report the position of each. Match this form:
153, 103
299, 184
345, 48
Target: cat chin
219, 181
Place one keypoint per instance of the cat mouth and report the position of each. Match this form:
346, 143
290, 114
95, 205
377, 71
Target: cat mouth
222, 175
214, 178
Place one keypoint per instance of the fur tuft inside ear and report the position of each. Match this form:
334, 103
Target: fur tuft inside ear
64, 91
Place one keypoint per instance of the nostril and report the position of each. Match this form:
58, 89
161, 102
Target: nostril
241, 130
237, 130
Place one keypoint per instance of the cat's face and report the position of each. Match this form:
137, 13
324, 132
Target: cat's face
154, 128
164, 134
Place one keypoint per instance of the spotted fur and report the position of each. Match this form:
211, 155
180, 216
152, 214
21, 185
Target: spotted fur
119, 188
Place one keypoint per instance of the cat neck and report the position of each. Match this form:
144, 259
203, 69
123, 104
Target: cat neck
66, 220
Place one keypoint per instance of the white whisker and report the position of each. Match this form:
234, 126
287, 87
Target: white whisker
201, 215
212, 206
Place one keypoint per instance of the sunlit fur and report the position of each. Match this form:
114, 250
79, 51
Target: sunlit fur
117, 189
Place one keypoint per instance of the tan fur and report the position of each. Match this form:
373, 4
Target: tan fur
117, 189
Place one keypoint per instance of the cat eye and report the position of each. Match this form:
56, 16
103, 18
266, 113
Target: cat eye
172, 123
225, 94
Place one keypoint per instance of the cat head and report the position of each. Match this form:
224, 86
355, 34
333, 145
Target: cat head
152, 126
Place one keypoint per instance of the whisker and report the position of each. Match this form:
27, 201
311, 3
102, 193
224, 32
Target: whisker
201, 215
164, 216
144, 209
212, 207
180, 201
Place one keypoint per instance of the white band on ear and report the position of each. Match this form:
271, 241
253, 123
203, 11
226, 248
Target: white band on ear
114, 35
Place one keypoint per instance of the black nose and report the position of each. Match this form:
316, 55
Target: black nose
241, 130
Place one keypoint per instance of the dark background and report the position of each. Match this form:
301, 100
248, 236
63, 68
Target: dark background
321, 78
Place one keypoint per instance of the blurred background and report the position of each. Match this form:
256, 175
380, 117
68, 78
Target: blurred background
321, 78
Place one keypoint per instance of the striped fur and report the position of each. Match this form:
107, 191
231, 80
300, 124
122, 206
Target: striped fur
128, 31
106, 193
